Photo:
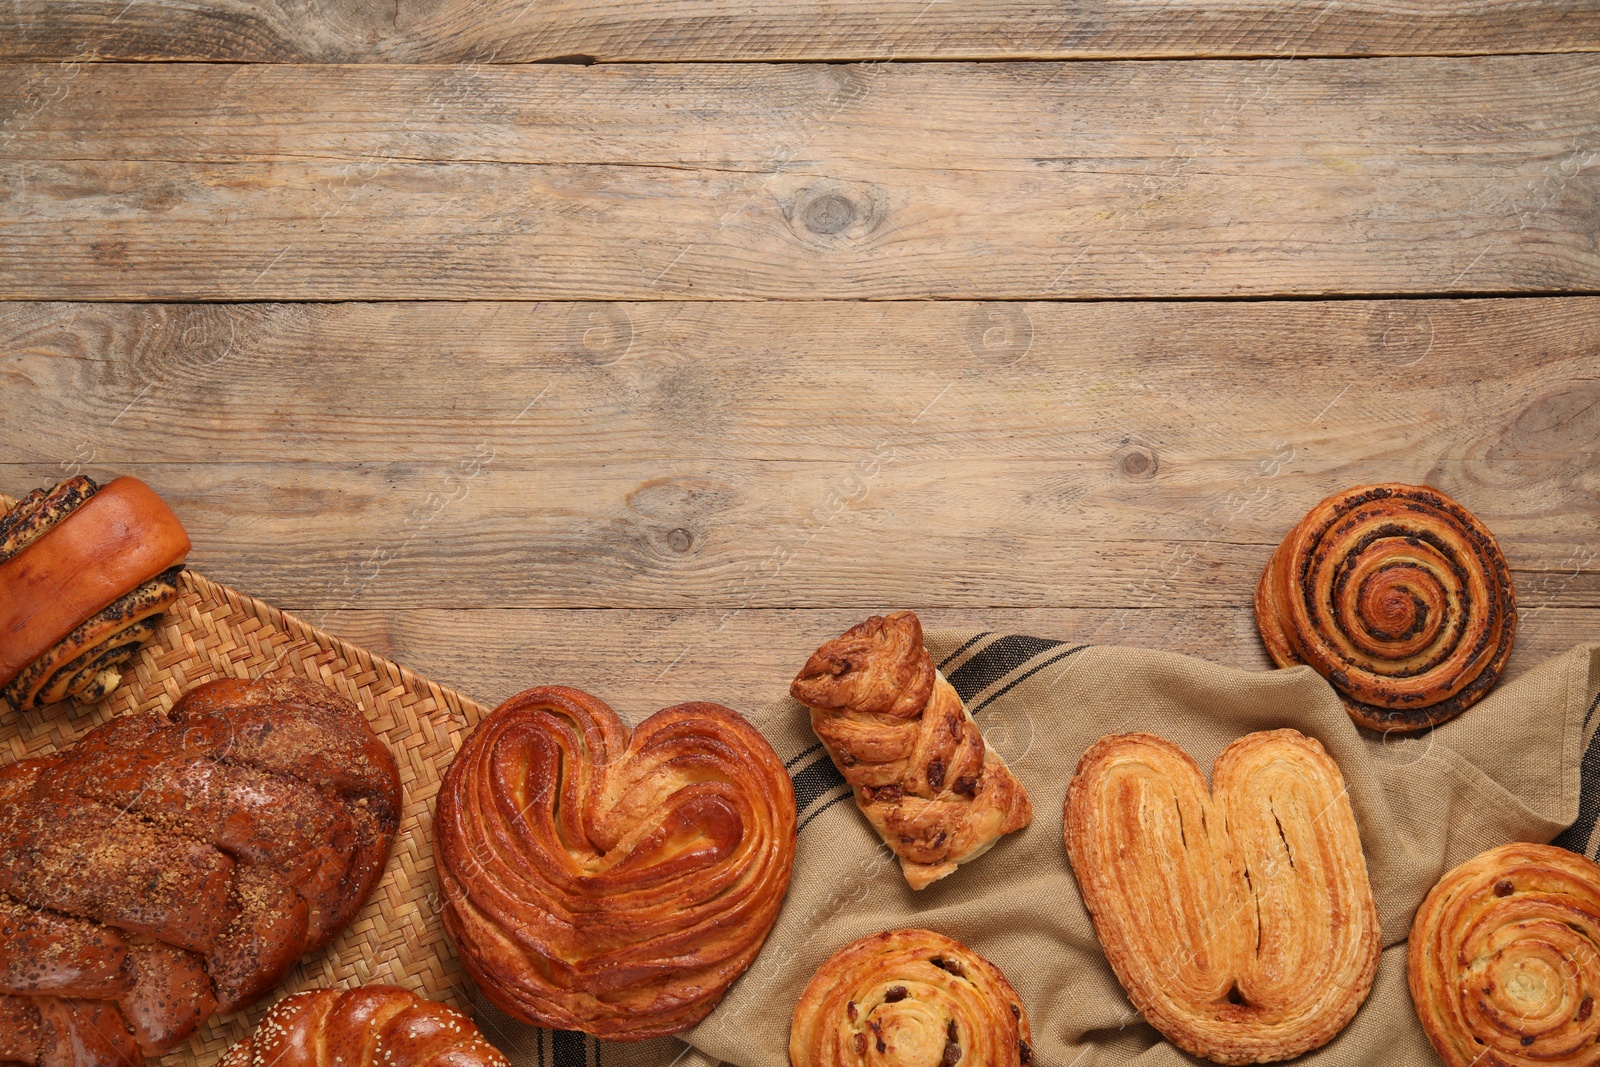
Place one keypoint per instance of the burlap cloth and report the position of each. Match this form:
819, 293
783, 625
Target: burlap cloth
1514, 767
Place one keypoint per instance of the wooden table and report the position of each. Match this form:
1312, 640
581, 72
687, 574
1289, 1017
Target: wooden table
643, 346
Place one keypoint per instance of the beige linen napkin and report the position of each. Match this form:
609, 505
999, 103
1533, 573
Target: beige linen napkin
1514, 767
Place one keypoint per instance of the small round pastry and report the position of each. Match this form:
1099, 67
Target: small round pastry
1398, 596
909, 998
607, 880
1504, 960
85, 572
382, 1025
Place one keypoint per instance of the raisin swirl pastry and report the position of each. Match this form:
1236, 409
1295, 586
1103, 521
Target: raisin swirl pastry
371, 1026
1398, 596
1504, 960
85, 573
908, 998
607, 880
1239, 921
168, 868
898, 732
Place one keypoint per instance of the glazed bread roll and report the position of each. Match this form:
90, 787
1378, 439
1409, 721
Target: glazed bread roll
1504, 960
909, 998
85, 572
1239, 920
1398, 596
373, 1026
898, 732
168, 868
607, 880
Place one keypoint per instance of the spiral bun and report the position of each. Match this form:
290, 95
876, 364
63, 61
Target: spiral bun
1398, 596
608, 880
907, 998
1504, 960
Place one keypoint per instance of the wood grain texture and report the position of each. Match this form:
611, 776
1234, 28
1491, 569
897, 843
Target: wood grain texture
643, 660
807, 454
1004, 181
511, 31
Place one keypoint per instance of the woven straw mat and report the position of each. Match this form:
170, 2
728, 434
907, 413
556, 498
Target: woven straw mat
214, 632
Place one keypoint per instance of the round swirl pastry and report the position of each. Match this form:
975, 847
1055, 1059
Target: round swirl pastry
917, 763
1504, 960
611, 882
168, 868
85, 573
1240, 922
909, 998
379, 1025
1398, 596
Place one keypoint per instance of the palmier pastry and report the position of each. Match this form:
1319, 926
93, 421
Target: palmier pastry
898, 732
1239, 921
1398, 596
611, 881
373, 1026
168, 868
1504, 960
909, 998
85, 572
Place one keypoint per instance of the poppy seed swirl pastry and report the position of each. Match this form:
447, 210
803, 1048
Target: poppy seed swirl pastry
1240, 920
378, 1025
900, 735
1504, 960
606, 880
168, 868
1398, 596
909, 998
85, 573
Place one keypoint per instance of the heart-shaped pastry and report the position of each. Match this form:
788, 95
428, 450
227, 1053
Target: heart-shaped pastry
611, 881
1239, 920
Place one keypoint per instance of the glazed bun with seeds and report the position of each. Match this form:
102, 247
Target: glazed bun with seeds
372, 1026
168, 868
1398, 596
909, 998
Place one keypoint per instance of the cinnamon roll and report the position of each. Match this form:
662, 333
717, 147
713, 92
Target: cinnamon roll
1504, 960
900, 735
85, 572
909, 998
1240, 920
608, 880
1398, 596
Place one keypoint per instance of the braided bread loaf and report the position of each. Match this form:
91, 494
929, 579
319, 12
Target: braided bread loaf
901, 737
85, 572
165, 869
373, 1026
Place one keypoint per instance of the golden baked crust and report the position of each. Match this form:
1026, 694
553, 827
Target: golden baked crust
370, 1026
1398, 596
85, 572
1240, 920
906, 998
898, 732
611, 881
1504, 960
168, 868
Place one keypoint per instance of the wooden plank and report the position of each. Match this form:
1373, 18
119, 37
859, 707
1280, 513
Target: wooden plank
511, 31
1000, 181
807, 454
644, 660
